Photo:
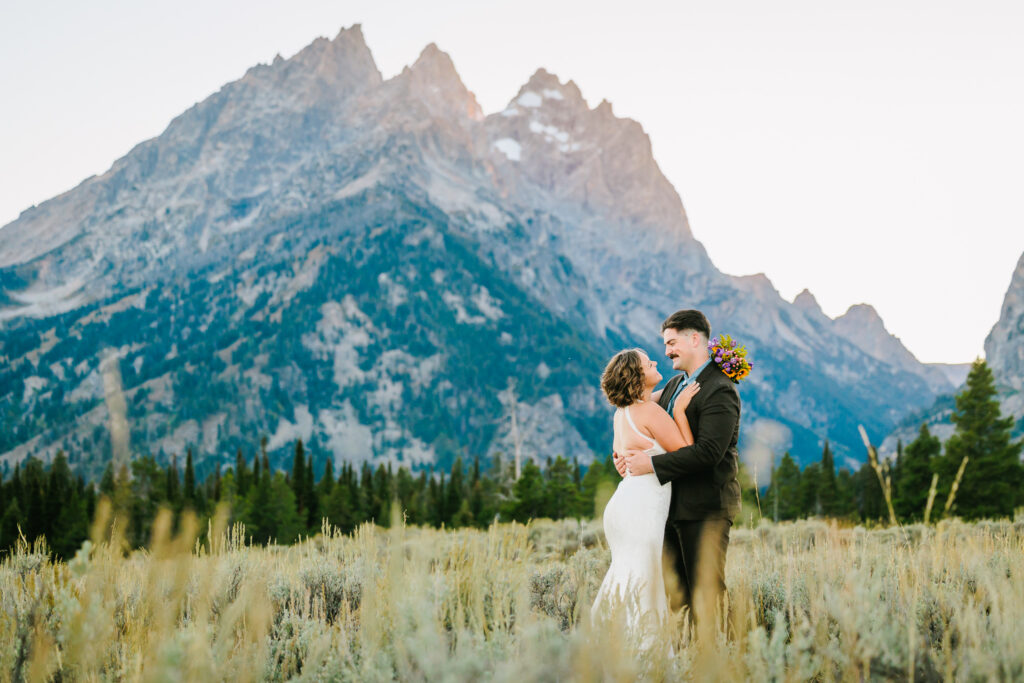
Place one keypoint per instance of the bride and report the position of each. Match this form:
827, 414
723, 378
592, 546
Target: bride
635, 517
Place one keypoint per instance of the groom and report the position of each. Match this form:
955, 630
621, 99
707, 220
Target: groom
705, 490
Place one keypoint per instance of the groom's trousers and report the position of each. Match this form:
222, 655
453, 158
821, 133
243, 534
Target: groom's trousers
696, 549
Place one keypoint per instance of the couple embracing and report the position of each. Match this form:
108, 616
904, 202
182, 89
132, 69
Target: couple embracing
676, 451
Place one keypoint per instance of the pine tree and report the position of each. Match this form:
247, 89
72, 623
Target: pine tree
326, 483
914, 476
845, 505
338, 507
592, 481
783, 499
34, 485
827, 483
453, 501
476, 493
312, 519
173, 482
9, 524
255, 472
869, 498
810, 482
298, 477
991, 481
190, 480
216, 491
241, 473
560, 495
528, 502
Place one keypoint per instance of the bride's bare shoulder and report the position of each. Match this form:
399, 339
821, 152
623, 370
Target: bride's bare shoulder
648, 408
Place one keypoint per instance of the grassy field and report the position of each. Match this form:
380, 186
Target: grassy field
809, 601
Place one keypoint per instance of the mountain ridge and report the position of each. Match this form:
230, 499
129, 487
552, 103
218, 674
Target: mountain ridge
329, 199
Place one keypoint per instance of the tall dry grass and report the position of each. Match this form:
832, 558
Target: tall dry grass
809, 601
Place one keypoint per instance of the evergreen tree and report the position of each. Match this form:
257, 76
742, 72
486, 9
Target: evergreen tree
476, 493
827, 493
914, 476
255, 473
270, 512
338, 507
60, 490
592, 481
309, 497
325, 486
298, 477
17, 491
561, 496
9, 524
241, 473
190, 480
993, 477
783, 499
420, 503
34, 486
215, 492
529, 495
173, 482
845, 505
453, 501
868, 494
405, 492
810, 481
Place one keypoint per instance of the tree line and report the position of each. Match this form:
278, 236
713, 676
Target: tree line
281, 506
980, 460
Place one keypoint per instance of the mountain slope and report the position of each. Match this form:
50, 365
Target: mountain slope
313, 251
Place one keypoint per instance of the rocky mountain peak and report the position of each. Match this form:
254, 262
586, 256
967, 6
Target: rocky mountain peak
558, 144
328, 68
545, 90
1004, 346
862, 326
806, 302
433, 79
863, 314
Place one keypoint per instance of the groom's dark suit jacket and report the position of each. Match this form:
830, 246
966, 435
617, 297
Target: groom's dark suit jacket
703, 476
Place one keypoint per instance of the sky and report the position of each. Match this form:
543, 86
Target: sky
869, 151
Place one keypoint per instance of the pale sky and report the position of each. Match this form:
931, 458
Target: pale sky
870, 151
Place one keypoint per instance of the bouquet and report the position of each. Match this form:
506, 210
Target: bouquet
731, 357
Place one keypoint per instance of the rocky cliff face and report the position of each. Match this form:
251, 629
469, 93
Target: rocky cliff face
1004, 347
376, 267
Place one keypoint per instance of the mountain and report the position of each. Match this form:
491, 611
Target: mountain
1004, 348
862, 326
1004, 353
378, 268
956, 373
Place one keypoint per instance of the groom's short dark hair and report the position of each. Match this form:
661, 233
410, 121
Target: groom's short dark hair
688, 319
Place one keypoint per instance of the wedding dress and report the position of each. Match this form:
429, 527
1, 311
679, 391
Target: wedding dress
634, 526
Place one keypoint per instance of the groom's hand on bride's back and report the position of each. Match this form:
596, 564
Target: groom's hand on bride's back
620, 464
638, 461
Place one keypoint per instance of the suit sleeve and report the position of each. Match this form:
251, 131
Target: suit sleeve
718, 420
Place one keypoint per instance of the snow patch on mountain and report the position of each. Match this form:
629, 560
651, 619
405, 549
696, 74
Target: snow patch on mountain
530, 99
510, 148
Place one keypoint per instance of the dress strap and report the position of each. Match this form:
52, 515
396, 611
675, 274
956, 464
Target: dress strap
632, 424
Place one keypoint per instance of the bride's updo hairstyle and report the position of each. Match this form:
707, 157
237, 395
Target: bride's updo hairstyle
623, 379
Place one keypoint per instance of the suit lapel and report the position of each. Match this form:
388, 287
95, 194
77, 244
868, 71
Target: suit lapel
666, 394
693, 410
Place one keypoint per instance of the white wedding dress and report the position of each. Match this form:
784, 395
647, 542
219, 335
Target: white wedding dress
634, 526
